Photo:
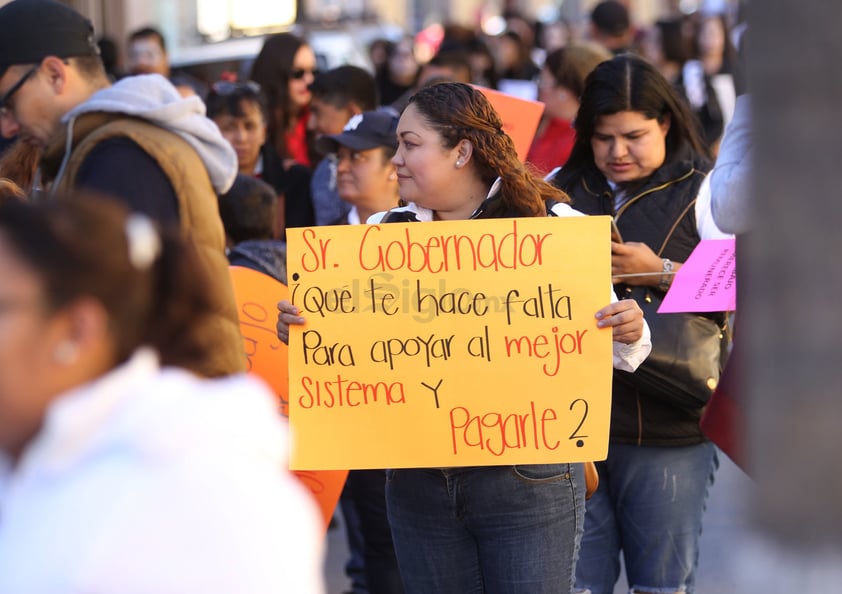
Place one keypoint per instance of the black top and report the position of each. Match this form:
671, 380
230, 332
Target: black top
120, 168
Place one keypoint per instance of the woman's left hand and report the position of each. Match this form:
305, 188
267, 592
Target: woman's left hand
625, 318
634, 257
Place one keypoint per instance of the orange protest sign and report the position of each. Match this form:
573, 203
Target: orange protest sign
520, 118
257, 297
455, 343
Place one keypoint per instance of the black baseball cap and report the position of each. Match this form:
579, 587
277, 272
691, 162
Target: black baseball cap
31, 30
363, 132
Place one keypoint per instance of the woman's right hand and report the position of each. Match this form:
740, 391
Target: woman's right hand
287, 315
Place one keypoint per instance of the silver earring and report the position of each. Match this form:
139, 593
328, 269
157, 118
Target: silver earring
66, 353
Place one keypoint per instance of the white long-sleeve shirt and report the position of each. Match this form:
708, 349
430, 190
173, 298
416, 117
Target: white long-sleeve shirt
731, 176
151, 480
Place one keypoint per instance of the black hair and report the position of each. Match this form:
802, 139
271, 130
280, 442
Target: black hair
109, 53
456, 59
149, 32
344, 85
611, 18
674, 43
78, 245
227, 98
249, 209
630, 83
271, 69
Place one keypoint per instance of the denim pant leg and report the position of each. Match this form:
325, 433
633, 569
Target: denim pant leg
598, 568
528, 521
355, 566
368, 490
658, 496
498, 530
435, 552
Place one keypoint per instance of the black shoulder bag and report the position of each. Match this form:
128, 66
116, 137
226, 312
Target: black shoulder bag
689, 350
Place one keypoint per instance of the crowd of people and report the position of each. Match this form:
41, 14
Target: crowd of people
133, 448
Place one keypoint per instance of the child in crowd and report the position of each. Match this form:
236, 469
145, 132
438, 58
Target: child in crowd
248, 211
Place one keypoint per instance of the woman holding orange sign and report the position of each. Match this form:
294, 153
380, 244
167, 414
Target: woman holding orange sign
491, 529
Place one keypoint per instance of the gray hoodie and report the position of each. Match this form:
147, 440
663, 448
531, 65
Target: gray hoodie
153, 98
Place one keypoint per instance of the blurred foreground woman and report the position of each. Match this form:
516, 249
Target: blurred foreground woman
119, 470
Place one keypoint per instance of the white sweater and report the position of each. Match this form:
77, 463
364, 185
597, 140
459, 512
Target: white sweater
156, 481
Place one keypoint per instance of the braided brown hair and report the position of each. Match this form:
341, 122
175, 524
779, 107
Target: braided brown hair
458, 111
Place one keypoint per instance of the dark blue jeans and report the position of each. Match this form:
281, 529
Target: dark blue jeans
649, 505
366, 489
493, 530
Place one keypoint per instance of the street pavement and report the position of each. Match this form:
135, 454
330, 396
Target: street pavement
726, 521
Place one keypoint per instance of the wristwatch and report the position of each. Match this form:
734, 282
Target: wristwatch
666, 277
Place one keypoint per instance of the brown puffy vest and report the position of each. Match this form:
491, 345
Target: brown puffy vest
198, 217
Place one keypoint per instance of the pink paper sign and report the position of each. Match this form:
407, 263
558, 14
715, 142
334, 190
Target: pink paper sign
706, 282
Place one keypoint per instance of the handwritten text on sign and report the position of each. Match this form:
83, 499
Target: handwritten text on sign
257, 296
707, 281
450, 343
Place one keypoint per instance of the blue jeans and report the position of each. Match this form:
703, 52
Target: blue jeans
499, 529
355, 566
649, 504
367, 491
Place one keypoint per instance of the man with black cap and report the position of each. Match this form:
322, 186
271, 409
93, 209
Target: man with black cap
138, 141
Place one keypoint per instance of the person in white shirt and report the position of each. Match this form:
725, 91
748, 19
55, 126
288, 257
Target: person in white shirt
121, 471
639, 158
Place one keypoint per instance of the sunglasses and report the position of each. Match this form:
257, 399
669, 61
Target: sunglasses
224, 88
5, 108
299, 73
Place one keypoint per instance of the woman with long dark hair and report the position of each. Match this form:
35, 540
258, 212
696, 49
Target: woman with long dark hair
284, 69
638, 157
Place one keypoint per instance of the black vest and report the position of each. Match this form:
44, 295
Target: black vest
647, 216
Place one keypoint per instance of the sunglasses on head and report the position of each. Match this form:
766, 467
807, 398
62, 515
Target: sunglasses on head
227, 87
299, 73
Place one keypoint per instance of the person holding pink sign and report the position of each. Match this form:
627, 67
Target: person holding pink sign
494, 529
120, 470
638, 157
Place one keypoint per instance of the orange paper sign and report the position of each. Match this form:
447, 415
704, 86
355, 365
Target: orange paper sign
454, 343
257, 296
520, 118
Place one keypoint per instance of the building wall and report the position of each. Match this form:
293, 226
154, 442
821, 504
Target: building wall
177, 18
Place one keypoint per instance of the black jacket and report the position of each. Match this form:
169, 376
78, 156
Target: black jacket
637, 417
294, 184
